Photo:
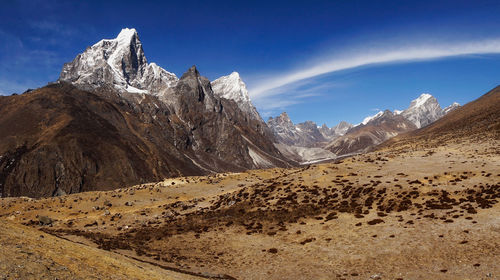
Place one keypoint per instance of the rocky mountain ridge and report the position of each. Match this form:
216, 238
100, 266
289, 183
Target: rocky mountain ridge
362, 137
346, 138
113, 120
384, 125
305, 134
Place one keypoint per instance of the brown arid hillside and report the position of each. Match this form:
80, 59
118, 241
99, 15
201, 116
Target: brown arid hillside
424, 209
476, 121
30, 254
60, 139
424, 214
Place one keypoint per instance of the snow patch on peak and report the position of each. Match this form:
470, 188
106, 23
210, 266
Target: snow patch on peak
232, 87
126, 34
423, 110
421, 100
370, 118
119, 62
235, 75
450, 108
132, 89
397, 112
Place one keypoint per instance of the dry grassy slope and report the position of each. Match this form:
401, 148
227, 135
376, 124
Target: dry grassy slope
423, 214
478, 120
27, 253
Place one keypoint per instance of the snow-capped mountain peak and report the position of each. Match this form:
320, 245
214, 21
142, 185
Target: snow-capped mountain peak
119, 62
233, 88
126, 35
421, 100
423, 110
127, 44
369, 118
335, 131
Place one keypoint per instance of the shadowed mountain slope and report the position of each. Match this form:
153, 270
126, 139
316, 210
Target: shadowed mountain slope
62, 139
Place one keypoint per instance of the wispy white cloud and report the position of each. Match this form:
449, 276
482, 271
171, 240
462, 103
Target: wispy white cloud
292, 94
275, 85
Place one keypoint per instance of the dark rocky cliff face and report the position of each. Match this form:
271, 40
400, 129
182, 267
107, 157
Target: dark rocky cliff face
62, 138
114, 120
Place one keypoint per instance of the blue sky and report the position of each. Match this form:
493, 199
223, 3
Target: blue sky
324, 61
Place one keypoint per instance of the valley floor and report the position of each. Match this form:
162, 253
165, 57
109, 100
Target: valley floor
423, 214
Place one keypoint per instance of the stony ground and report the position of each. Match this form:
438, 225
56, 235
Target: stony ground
28, 253
423, 214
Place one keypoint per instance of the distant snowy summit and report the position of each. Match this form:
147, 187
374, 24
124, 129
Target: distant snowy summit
386, 124
422, 111
346, 138
121, 63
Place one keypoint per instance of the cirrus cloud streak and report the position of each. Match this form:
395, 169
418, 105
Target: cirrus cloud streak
271, 85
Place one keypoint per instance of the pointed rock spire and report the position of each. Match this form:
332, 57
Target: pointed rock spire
233, 88
119, 62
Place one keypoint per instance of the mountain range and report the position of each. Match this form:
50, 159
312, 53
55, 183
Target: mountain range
113, 119
344, 138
